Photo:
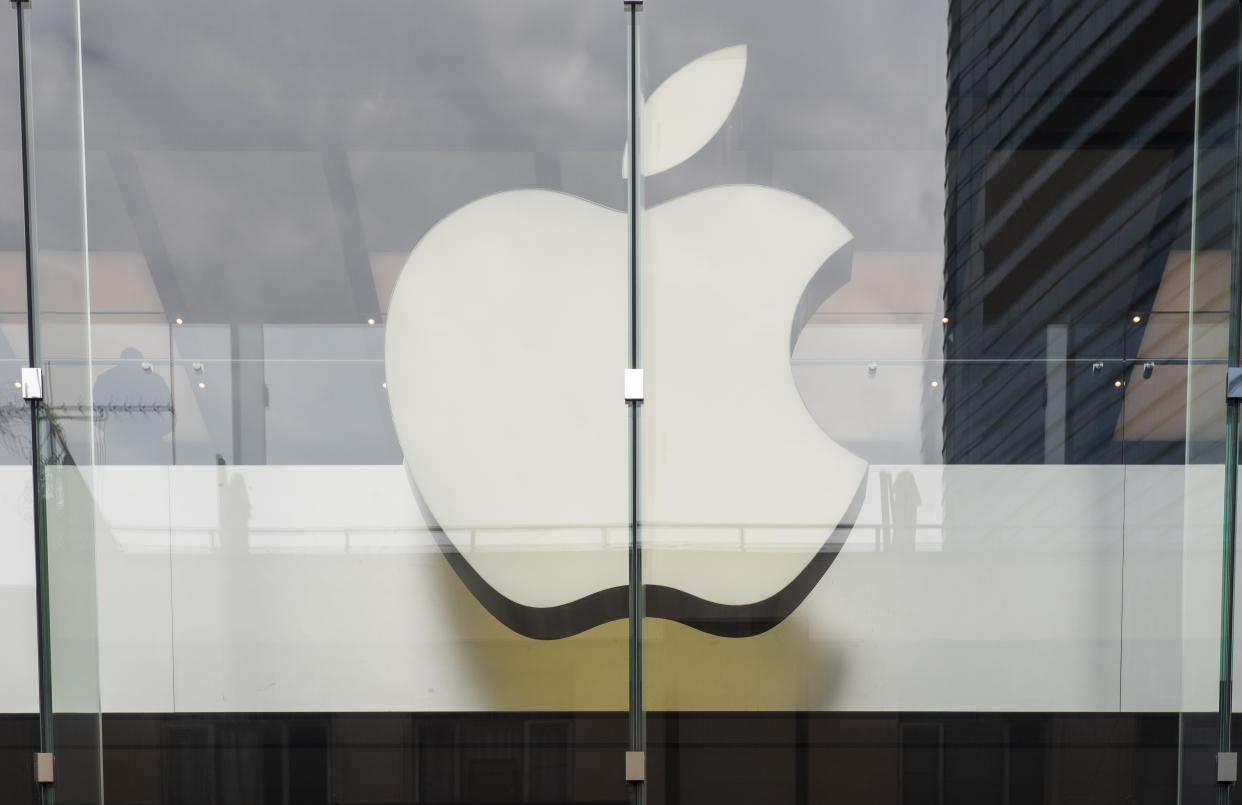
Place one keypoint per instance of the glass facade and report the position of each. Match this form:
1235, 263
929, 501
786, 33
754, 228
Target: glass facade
576, 401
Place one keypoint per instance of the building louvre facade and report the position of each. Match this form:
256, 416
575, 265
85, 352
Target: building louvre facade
1055, 115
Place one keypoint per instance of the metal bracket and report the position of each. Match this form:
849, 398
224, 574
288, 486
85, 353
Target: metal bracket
635, 767
633, 385
32, 383
1226, 767
44, 768
1233, 383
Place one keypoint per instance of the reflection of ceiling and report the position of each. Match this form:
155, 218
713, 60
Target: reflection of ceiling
386, 267
258, 172
887, 313
12, 282
120, 283
890, 282
256, 239
12, 238
1155, 408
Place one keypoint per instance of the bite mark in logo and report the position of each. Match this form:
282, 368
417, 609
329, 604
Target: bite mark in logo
506, 336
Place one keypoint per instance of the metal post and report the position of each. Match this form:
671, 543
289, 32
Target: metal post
37, 425
1225, 705
635, 767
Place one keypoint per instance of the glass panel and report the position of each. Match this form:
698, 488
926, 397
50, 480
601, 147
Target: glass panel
19, 687
67, 414
370, 257
1204, 293
922, 433
931, 444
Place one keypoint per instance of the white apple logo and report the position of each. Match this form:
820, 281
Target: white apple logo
506, 339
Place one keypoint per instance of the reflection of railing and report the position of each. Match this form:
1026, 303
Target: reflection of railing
1120, 362
15, 441
212, 539
203, 540
18, 441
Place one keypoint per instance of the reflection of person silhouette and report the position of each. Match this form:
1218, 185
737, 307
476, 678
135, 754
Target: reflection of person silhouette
237, 574
234, 510
899, 510
132, 424
904, 503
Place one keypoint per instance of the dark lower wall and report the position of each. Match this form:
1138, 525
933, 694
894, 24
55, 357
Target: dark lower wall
795, 758
19, 739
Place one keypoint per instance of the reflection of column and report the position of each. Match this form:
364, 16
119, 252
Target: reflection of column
759, 156
899, 510
548, 170
904, 509
1055, 386
249, 394
243, 619
886, 513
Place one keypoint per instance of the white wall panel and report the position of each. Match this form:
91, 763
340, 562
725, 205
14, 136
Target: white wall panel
319, 588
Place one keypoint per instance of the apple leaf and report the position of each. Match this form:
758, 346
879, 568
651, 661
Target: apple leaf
687, 110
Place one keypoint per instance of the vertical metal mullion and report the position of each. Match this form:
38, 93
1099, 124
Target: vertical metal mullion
37, 414
1224, 714
637, 738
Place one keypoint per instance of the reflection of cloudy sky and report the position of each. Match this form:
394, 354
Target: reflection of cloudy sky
270, 151
273, 163
273, 159
843, 103
10, 145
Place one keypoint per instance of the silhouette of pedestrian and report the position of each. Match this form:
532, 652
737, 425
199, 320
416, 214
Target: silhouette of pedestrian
133, 410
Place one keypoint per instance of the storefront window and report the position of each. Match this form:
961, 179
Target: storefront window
350, 499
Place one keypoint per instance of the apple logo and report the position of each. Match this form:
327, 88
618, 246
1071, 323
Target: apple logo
504, 349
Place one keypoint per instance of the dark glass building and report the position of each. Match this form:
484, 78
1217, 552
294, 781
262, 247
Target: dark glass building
1072, 137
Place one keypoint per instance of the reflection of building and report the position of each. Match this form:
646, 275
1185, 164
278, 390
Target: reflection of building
1071, 143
